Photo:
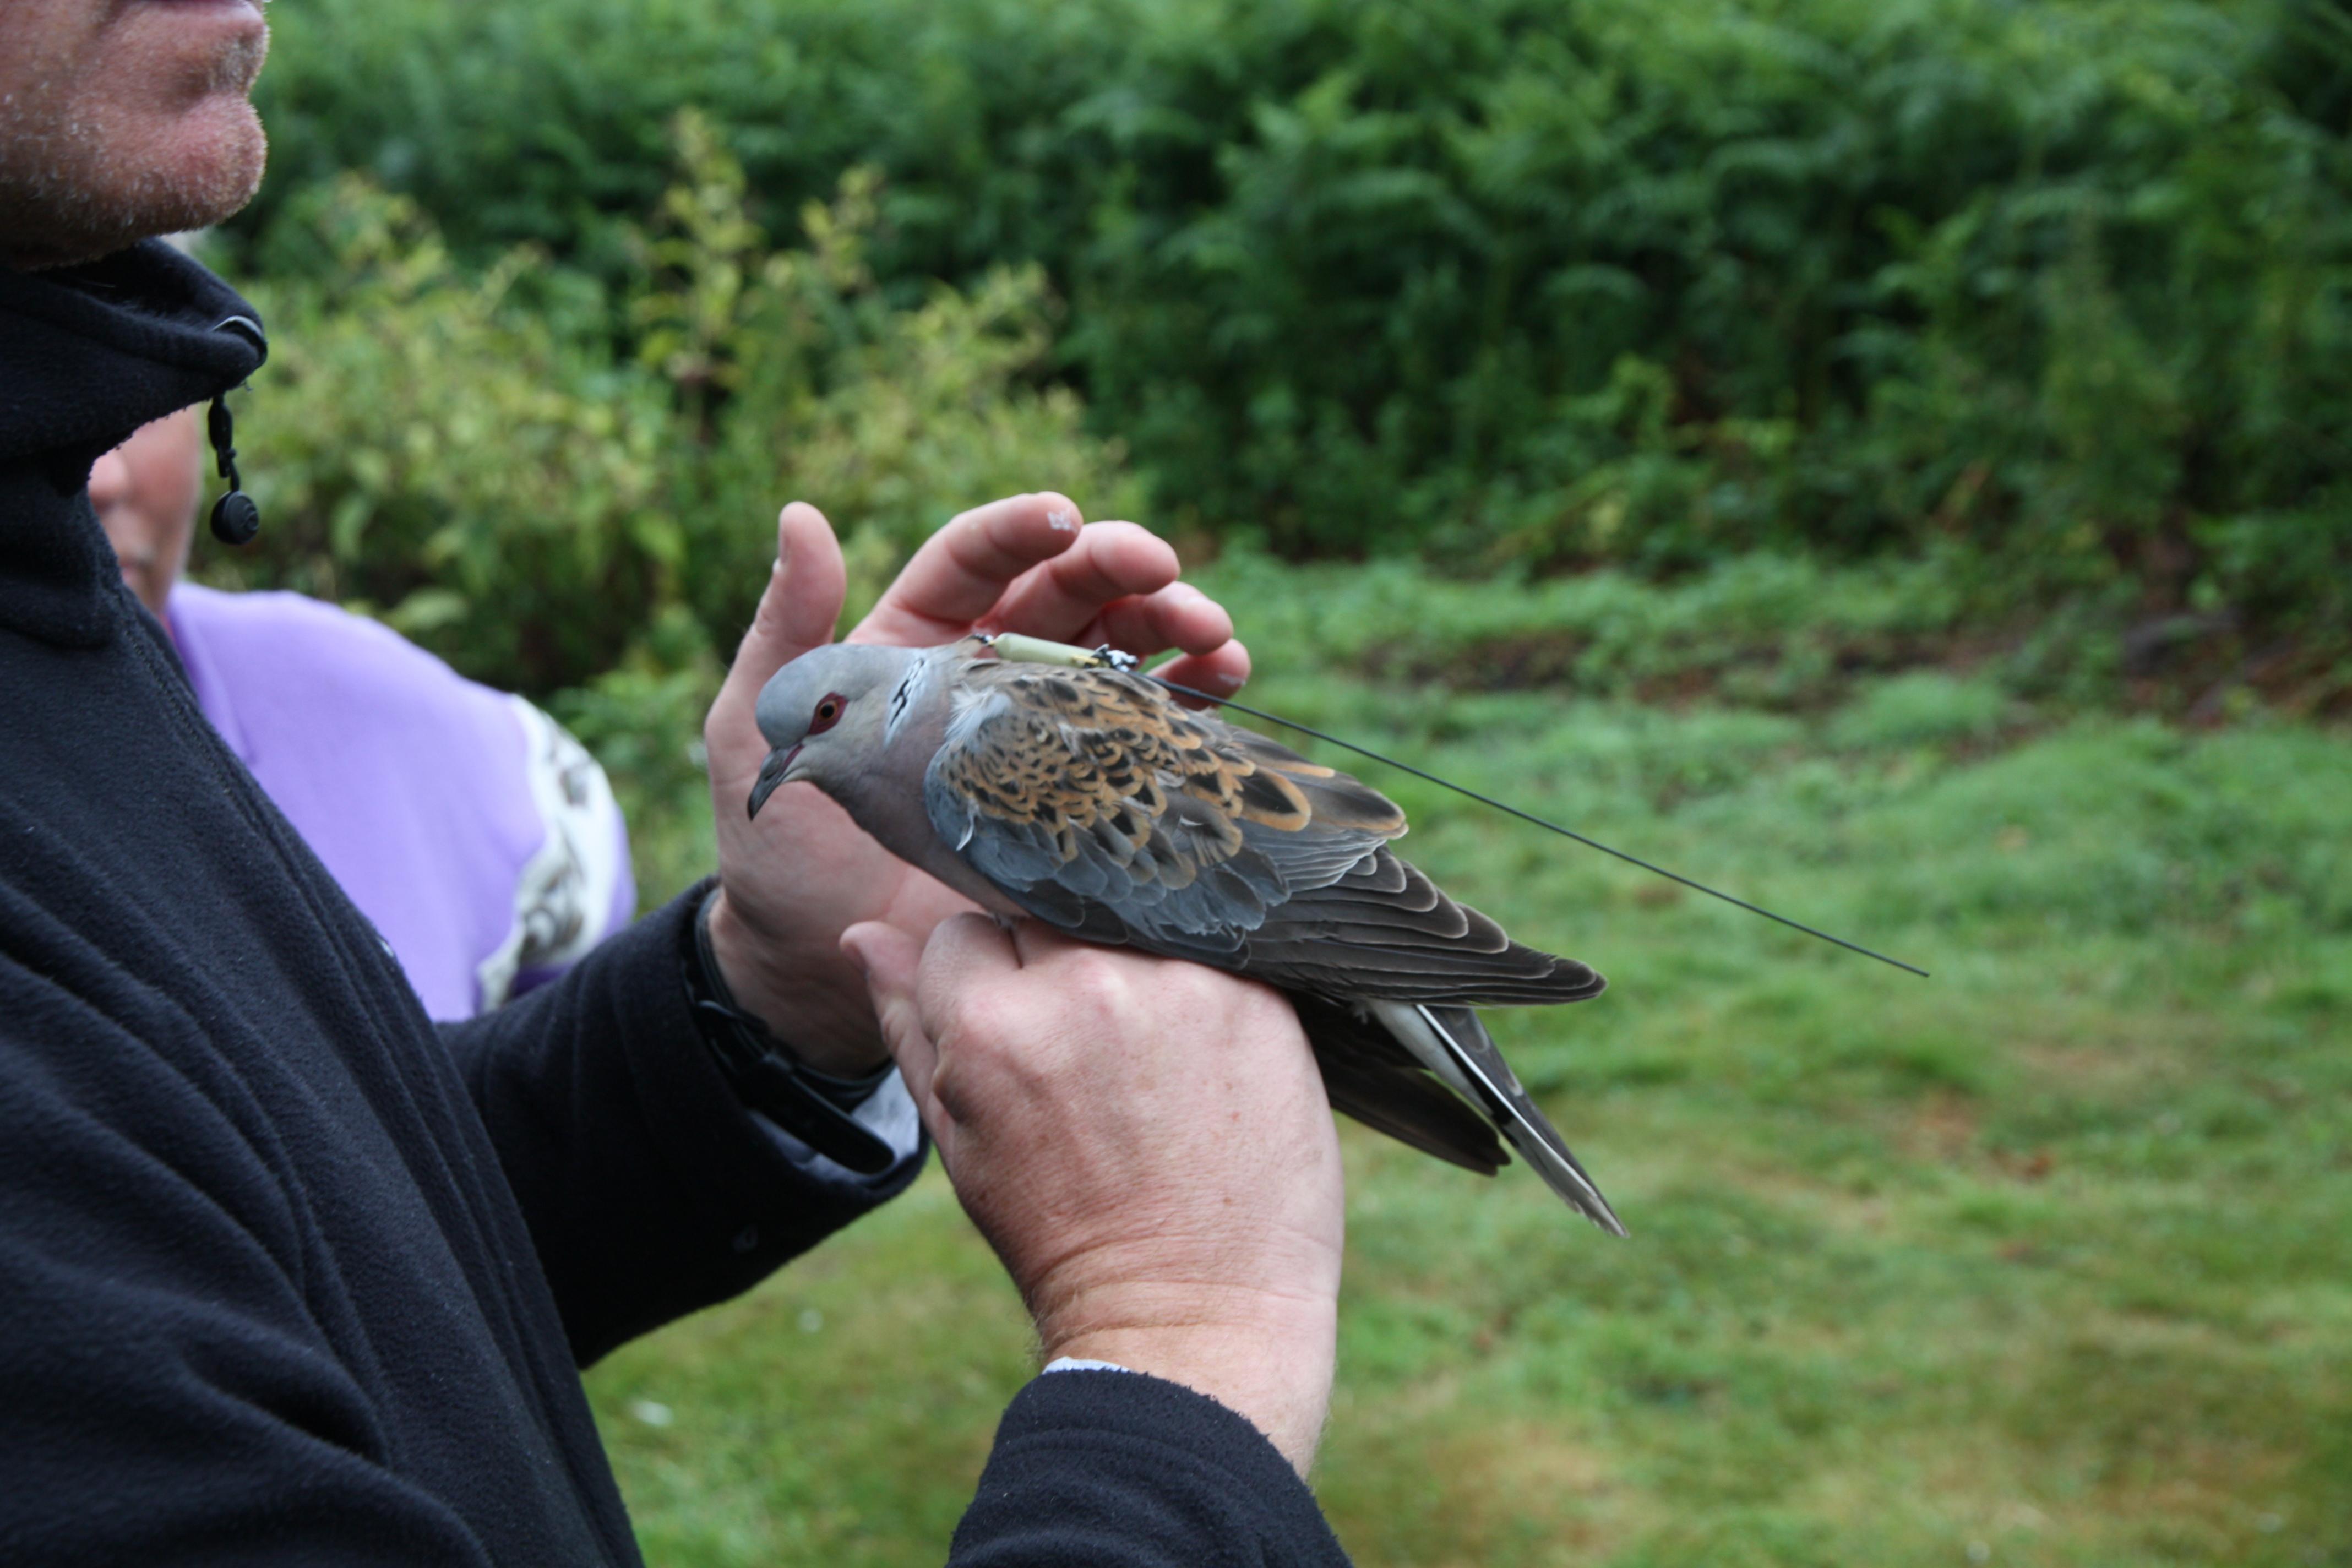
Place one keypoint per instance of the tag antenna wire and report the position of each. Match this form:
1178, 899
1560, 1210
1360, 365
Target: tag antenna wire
1532, 817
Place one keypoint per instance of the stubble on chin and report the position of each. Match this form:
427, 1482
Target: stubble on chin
78, 181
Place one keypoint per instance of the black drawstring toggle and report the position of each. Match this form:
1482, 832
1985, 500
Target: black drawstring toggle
236, 520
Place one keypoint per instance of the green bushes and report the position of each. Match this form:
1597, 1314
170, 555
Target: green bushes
467, 454
426, 447
1521, 279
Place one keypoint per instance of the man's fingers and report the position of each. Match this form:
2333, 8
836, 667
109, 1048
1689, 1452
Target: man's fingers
1027, 563
1178, 615
1152, 614
1221, 673
962, 570
1110, 562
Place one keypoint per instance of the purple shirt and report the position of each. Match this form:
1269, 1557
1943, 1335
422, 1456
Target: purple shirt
481, 839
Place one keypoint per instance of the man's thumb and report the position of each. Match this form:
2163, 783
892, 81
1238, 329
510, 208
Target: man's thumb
803, 600
889, 958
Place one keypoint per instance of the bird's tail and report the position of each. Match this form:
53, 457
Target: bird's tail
1455, 1045
1370, 1075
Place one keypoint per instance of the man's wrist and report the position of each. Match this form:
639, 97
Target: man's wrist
1268, 1359
743, 966
823, 1111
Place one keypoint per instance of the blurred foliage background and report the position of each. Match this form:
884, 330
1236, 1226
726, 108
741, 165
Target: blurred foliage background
2056, 290
1893, 455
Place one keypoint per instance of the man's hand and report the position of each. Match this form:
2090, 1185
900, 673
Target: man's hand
792, 881
1146, 1144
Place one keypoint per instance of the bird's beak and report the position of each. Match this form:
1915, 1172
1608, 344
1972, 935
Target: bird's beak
771, 774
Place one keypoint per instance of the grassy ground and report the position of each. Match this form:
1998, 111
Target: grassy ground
2040, 1261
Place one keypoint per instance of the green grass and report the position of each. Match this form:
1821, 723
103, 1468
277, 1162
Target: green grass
2040, 1261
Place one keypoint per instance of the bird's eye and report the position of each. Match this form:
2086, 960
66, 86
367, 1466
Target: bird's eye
828, 712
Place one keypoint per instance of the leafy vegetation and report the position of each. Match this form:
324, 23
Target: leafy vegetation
2064, 285
465, 452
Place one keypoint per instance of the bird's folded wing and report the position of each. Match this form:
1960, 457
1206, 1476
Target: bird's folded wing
1102, 807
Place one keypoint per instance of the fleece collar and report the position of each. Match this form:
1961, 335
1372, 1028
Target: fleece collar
88, 354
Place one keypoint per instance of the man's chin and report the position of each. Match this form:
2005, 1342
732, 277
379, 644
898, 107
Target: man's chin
204, 175
221, 172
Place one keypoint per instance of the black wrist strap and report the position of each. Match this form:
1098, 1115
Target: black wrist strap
812, 1106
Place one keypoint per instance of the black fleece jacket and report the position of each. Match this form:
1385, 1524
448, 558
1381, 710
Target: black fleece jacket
289, 1274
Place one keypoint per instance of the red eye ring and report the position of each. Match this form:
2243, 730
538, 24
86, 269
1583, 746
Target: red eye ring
828, 712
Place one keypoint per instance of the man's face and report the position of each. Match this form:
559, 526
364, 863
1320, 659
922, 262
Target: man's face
145, 493
121, 119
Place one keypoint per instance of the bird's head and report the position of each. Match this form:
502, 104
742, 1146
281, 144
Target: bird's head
824, 714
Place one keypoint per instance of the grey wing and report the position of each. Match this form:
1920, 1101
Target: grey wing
1102, 808
1077, 810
